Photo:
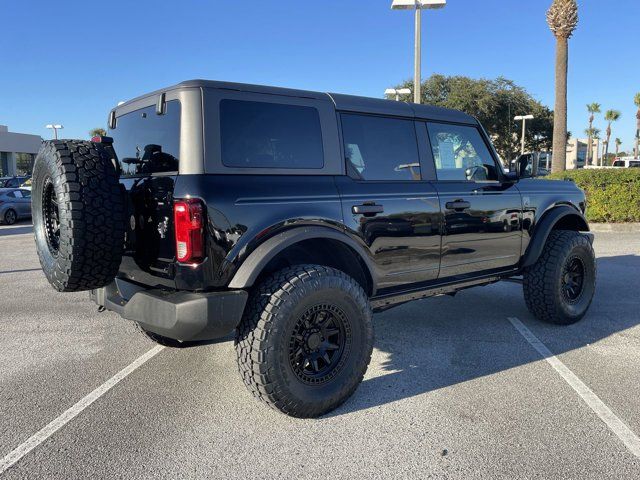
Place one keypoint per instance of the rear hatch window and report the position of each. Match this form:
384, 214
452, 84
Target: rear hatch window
147, 143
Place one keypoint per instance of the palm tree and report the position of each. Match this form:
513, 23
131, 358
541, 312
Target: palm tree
562, 18
593, 134
610, 116
618, 142
596, 136
592, 108
636, 100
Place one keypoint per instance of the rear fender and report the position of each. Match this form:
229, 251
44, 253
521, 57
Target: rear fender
253, 265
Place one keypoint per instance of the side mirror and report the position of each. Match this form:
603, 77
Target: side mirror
523, 167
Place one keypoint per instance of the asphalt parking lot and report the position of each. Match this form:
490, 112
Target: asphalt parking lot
455, 390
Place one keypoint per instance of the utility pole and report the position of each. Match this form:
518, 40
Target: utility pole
524, 119
55, 127
418, 5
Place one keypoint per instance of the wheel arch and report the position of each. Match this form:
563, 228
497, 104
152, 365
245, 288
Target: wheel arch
561, 217
320, 245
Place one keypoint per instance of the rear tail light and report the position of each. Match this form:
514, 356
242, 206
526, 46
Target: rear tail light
189, 227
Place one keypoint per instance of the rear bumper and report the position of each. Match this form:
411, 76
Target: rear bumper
183, 316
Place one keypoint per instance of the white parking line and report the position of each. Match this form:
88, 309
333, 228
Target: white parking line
617, 426
40, 436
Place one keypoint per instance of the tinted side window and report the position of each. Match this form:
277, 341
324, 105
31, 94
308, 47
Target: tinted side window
379, 148
147, 143
270, 135
25, 193
460, 153
11, 194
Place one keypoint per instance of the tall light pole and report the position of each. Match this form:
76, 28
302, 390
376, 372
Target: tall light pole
524, 119
55, 128
397, 92
418, 5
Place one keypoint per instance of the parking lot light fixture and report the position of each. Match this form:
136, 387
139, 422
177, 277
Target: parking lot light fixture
418, 5
55, 127
524, 119
397, 92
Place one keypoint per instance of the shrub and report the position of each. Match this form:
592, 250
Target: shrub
613, 195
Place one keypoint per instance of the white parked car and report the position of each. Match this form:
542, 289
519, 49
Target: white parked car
626, 162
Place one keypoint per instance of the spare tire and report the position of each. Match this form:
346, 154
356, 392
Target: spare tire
78, 214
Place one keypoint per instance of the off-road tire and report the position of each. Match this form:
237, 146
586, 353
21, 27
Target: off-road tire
543, 281
80, 246
265, 332
10, 216
159, 339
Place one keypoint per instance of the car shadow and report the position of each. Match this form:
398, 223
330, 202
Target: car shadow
436, 343
199, 343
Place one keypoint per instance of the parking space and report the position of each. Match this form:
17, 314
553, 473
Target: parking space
454, 390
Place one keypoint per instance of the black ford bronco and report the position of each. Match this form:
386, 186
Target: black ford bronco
290, 216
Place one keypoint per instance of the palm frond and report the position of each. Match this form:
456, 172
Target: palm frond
562, 17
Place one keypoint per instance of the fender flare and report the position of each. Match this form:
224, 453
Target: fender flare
253, 265
543, 228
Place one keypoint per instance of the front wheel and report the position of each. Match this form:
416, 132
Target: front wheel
305, 340
559, 287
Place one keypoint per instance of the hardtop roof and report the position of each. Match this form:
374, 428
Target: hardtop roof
342, 102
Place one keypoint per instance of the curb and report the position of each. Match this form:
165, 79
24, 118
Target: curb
615, 227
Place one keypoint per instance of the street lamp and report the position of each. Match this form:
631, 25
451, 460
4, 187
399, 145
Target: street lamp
55, 128
397, 92
418, 5
524, 119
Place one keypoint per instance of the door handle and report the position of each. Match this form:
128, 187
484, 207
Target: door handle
458, 205
367, 210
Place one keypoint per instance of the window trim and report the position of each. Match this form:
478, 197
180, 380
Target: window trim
483, 135
340, 113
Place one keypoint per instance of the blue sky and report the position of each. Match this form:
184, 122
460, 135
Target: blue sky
69, 62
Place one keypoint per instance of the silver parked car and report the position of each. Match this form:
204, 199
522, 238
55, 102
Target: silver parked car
15, 203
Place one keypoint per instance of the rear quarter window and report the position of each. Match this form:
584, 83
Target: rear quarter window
147, 143
270, 135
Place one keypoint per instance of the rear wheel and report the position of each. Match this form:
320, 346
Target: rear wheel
559, 287
10, 217
78, 215
305, 340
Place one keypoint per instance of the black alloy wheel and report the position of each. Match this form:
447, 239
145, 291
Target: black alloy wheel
51, 217
319, 344
573, 279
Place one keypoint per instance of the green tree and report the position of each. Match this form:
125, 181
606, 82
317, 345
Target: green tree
562, 18
592, 108
97, 132
494, 103
610, 116
617, 142
636, 100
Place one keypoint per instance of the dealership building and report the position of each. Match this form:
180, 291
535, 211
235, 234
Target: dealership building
17, 152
